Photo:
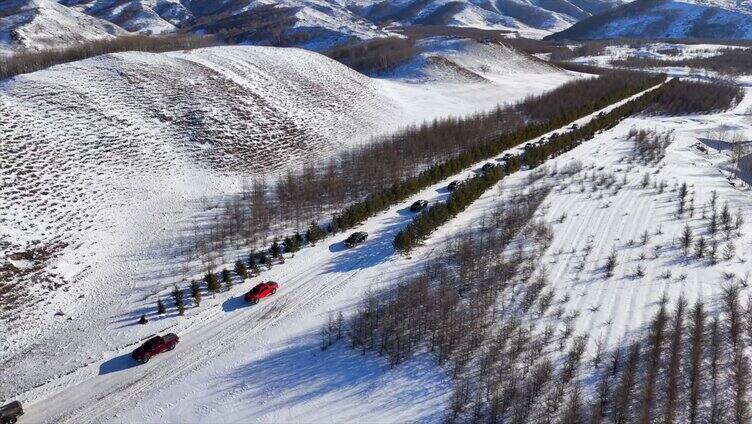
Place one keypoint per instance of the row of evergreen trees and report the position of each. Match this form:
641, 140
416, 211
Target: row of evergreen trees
377, 202
536, 154
243, 269
425, 223
539, 122
435, 216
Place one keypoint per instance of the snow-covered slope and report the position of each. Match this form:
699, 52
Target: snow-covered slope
462, 60
143, 16
267, 355
316, 24
112, 160
36, 24
667, 19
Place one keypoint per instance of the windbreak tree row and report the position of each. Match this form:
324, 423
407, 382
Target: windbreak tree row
683, 97
474, 140
383, 173
25, 62
437, 215
731, 61
535, 154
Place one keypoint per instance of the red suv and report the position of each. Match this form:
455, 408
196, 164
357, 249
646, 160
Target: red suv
261, 291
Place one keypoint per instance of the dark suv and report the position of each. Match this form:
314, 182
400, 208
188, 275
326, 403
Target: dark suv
418, 206
356, 238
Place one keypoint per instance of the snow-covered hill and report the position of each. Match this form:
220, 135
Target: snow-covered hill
40, 24
109, 164
316, 24
667, 19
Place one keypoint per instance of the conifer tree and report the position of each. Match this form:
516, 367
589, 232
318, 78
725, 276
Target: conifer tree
177, 295
610, 264
292, 245
227, 278
686, 238
275, 249
161, 308
700, 246
196, 292
212, 283
241, 269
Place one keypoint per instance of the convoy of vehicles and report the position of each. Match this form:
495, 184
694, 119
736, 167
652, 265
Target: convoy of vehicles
418, 206
155, 346
356, 238
260, 291
9, 413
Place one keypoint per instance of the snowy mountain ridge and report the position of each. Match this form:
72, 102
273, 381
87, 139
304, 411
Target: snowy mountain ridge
718, 19
309, 23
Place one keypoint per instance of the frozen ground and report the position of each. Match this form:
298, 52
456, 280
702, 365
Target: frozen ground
240, 363
109, 162
233, 354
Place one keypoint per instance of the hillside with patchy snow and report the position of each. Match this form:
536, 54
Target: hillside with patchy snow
115, 161
38, 24
263, 363
314, 24
666, 19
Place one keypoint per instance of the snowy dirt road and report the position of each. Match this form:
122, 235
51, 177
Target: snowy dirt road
230, 335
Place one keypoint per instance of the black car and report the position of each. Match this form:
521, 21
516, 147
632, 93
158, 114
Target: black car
487, 168
9, 413
453, 185
418, 206
356, 238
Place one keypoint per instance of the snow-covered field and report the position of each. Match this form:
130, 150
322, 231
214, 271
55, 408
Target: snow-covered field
149, 138
109, 162
233, 354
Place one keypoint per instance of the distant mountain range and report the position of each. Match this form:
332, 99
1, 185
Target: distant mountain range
316, 24
714, 19
320, 24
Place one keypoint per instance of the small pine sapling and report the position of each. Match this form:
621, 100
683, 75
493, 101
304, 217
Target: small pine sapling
639, 271
196, 292
212, 283
241, 269
275, 249
700, 247
227, 278
610, 264
686, 239
729, 250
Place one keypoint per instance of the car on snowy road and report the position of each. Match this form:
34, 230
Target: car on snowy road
155, 346
418, 206
9, 413
260, 291
356, 238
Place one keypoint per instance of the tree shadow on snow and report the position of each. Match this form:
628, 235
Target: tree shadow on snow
339, 380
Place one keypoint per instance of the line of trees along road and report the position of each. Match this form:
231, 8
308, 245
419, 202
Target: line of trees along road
405, 163
535, 154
